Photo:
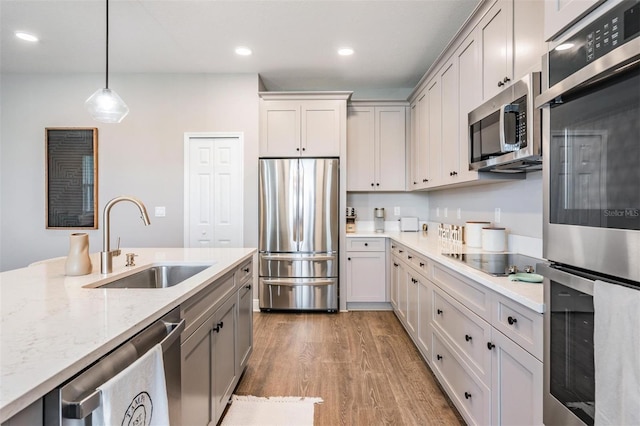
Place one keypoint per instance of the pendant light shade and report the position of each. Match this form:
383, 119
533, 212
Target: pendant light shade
105, 105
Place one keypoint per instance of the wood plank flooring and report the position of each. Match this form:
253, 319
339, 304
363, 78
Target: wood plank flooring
362, 364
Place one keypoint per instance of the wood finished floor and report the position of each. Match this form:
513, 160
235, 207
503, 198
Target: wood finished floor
362, 364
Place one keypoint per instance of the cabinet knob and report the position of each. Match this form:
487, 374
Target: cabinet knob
467, 338
439, 311
512, 320
218, 327
506, 80
248, 287
246, 270
439, 357
399, 251
304, 149
415, 183
455, 173
371, 183
377, 184
421, 264
467, 395
392, 246
366, 244
348, 258
297, 149
490, 345
500, 84
409, 257
395, 264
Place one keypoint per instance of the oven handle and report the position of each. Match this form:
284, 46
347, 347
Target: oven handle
119, 359
625, 56
576, 282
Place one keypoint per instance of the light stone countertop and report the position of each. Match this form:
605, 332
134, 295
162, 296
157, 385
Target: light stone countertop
530, 295
52, 327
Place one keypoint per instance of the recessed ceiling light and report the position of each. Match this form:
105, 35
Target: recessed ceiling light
26, 36
243, 51
345, 51
564, 46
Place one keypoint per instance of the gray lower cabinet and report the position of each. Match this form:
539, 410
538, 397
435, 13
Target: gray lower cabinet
216, 353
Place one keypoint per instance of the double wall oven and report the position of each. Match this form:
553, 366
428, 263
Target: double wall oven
591, 151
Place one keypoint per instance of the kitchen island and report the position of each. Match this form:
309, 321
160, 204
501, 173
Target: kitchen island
53, 326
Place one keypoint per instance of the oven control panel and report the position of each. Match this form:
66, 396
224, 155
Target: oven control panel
611, 30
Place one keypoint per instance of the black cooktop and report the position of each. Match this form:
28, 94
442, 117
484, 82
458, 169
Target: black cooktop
497, 264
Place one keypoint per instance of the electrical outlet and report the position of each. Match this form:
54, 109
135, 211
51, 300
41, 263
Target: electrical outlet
396, 211
446, 212
496, 215
459, 213
160, 211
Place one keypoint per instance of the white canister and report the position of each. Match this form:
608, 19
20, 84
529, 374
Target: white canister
494, 239
473, 233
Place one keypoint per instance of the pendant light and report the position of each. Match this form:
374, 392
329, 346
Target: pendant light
105, 105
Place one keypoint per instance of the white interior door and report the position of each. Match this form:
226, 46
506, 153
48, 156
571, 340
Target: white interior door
213, 190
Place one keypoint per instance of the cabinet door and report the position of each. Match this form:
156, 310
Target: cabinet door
366, 277
470, 96
435, 132
279, 129
424, 317
360, 148
528, 46
197, 372
245, 325
414, 173
320, 128
394, 278
560, 14
516, 384
402, 292
390, 160
421, 148
497, 37
223, 354
413, 283
450, 128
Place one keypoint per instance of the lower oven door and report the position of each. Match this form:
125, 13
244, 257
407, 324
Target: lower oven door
569, 373
316, 294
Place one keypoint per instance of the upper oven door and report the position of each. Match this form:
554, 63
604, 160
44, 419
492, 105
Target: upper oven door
591, 152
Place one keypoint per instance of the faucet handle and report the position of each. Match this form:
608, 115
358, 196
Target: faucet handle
130, 259
117, 251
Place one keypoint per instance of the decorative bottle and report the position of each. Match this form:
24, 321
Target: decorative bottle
78, 260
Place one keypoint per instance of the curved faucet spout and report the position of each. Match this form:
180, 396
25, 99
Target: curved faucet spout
107, 254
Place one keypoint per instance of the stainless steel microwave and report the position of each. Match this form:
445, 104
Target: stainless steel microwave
504, 132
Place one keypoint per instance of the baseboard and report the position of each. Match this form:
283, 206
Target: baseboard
369, 306
256, 305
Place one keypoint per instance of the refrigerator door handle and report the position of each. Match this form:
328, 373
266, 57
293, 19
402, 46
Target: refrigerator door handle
292, 282
296, 203
300, 203
294, 258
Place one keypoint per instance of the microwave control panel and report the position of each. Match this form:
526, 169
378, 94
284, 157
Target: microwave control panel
611, 30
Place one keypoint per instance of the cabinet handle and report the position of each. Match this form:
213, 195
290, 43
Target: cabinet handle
439, 311
415, 183
439, 357
366, 244
371, 183
506, 80
246, 270
512, 320
378, 184
409, 257
467, 395
395, 264
421, 264
490, 345
348, 258
455, 173
248, 287
297, 149
467, 338
392, 246
218, 327
304, 149
500, 84
399, 251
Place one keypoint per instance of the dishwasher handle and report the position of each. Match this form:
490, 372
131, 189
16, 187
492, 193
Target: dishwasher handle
80, 397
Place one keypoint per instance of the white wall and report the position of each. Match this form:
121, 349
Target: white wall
142, 156
520, 204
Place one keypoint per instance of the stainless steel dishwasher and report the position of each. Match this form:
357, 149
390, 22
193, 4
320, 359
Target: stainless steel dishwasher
75, 400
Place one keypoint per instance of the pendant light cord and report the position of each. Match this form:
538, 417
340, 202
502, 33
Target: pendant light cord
107, 50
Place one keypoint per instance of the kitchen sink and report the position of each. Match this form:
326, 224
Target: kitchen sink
158, 276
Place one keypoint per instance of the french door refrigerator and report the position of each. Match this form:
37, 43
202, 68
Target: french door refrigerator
298, 242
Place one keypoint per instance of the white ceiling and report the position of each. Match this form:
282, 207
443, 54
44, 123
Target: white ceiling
294, 42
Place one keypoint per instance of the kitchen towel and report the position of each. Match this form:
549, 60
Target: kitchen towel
137, 395
616, 354
273, 411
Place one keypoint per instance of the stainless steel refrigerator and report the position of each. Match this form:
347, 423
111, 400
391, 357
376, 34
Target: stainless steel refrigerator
298, 243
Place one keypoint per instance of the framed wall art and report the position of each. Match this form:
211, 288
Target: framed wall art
71, 177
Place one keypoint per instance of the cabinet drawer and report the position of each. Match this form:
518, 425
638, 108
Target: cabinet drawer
467, 333
244, 272
474, 296
418, 261
472, 398
520, 324
399, 250
199, 307
365, 244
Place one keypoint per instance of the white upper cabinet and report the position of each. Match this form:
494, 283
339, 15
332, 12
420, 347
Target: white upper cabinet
376, 139
560, 14
512, 45
291, 126
451, 141
419, 162
434, 129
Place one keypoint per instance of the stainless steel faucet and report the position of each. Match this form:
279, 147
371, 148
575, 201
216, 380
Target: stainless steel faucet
106, 255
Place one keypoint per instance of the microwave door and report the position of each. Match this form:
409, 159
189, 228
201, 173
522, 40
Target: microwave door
508, 127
